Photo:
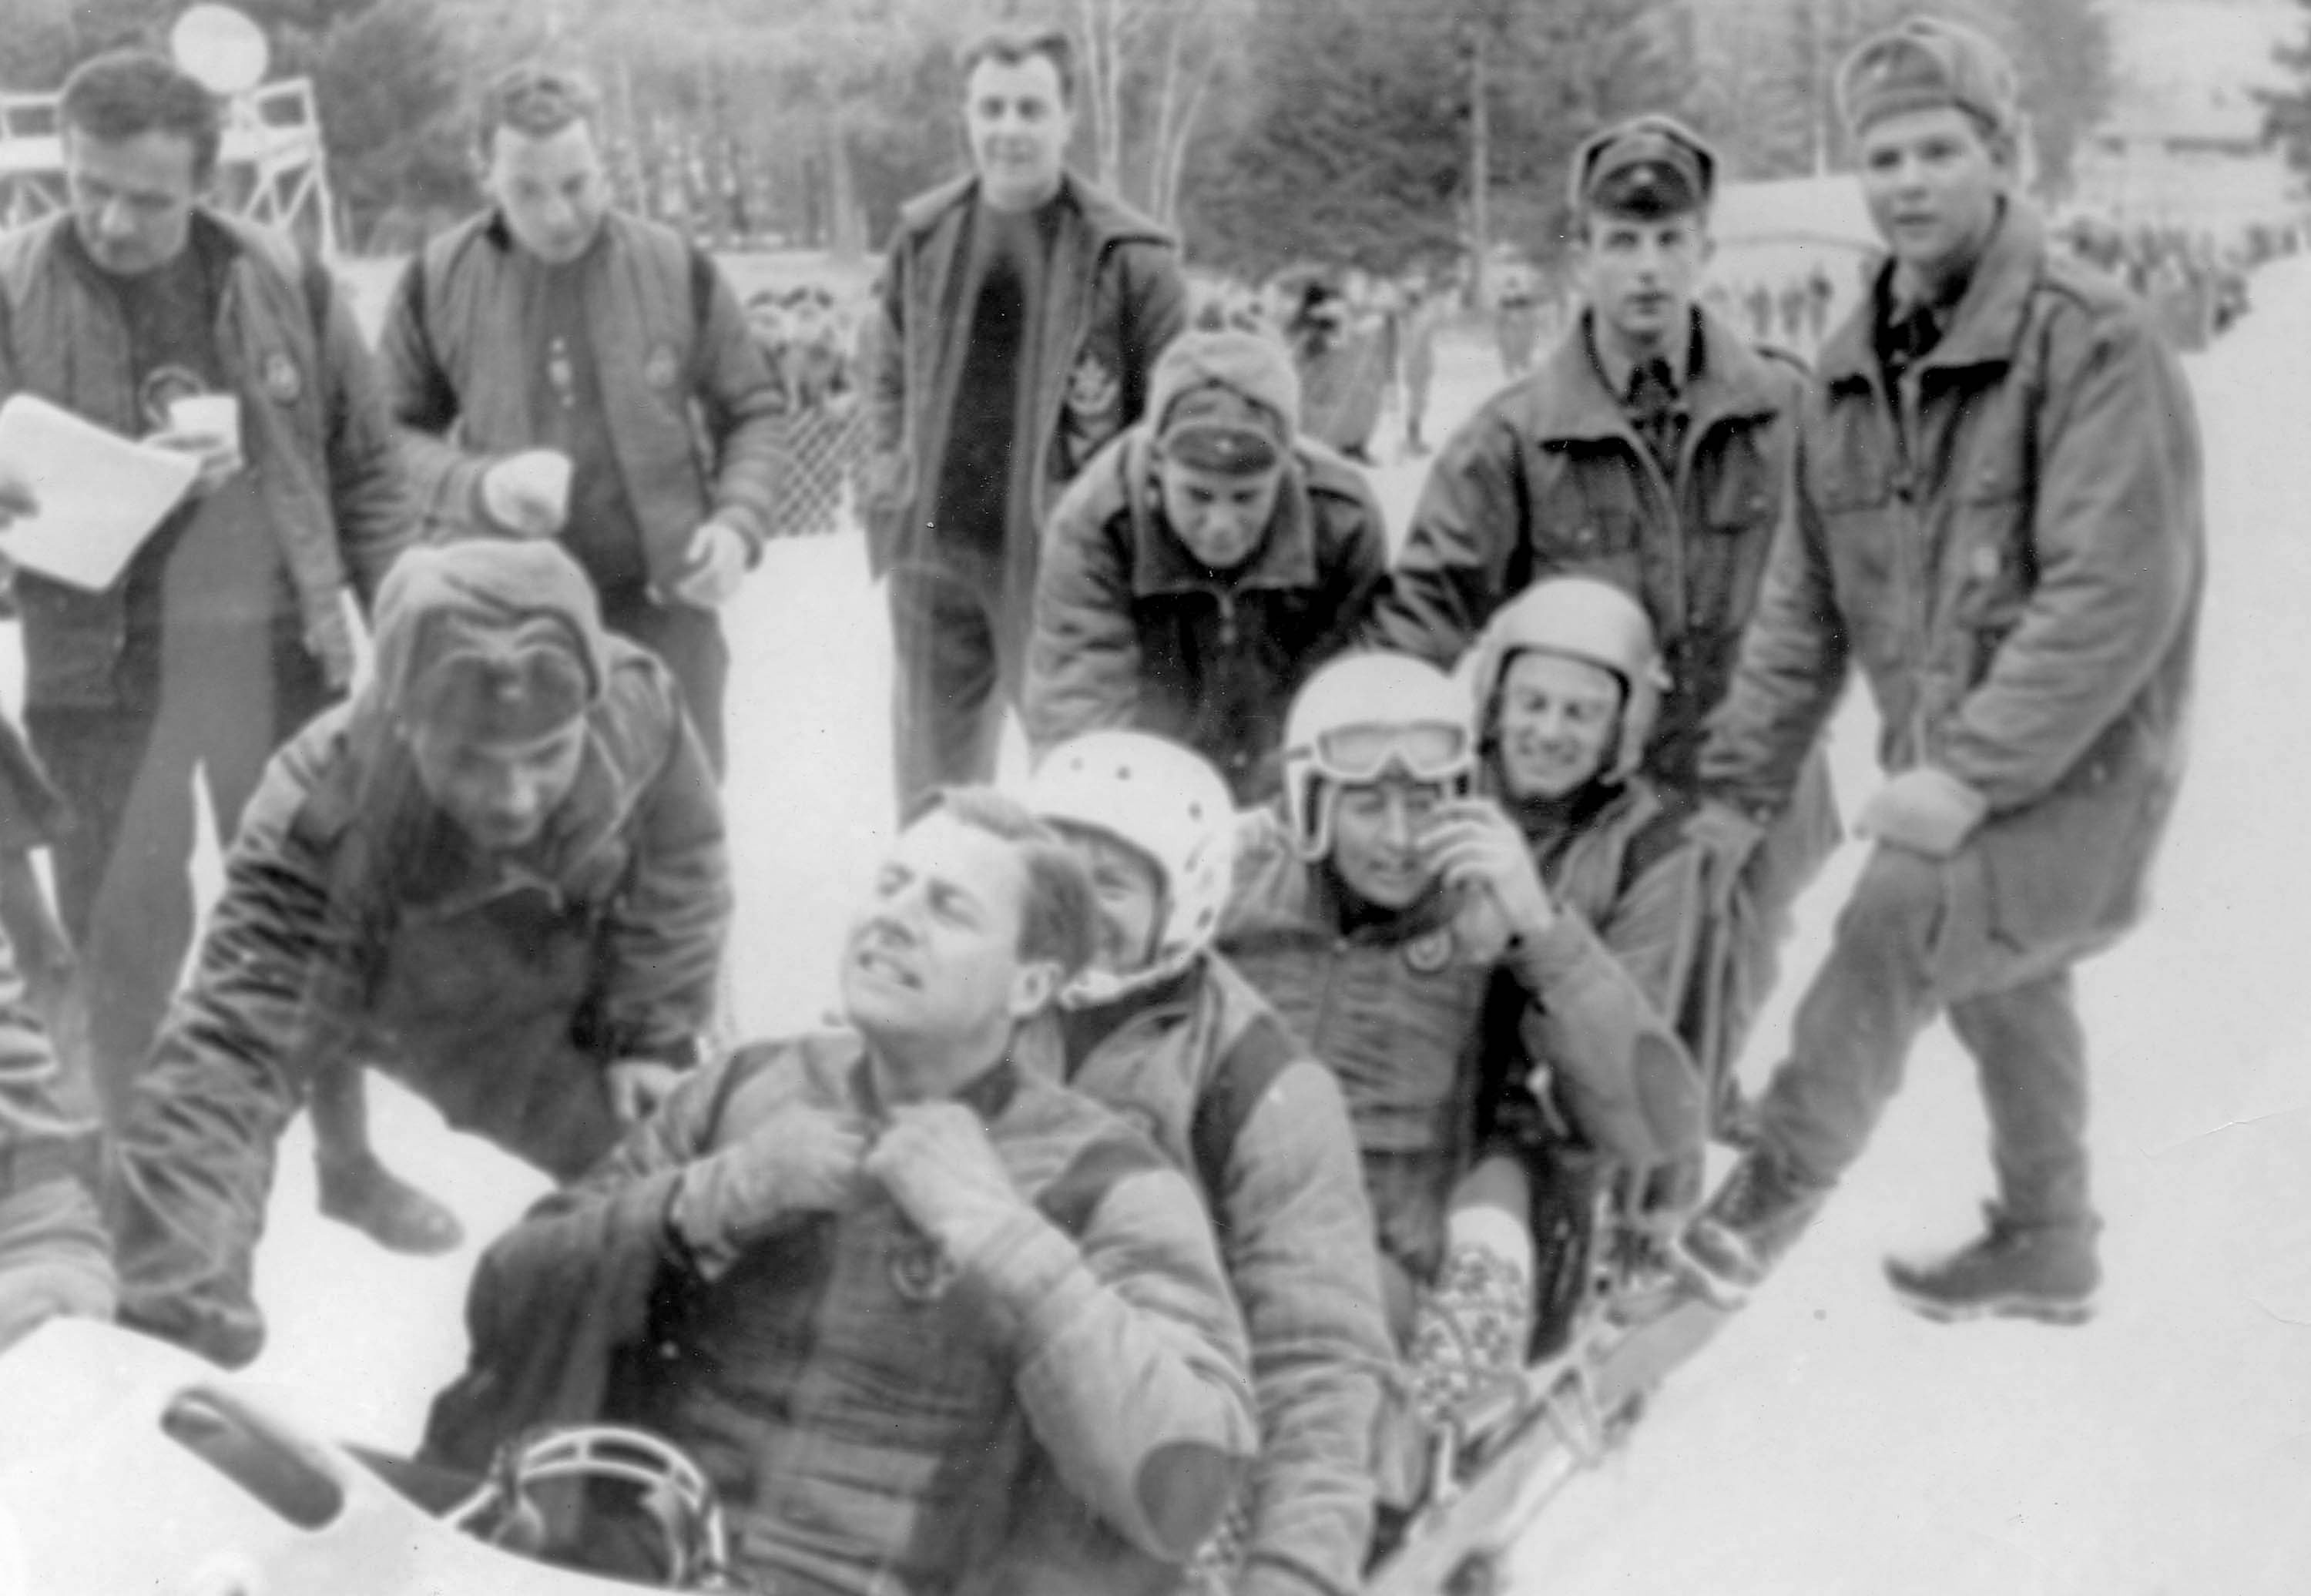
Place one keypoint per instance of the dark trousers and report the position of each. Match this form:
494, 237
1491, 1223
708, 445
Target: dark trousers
124, 865
959, 658
1915, 940
691, 643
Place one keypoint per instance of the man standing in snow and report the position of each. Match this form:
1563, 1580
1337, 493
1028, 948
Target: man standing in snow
1998, 516
1015, 332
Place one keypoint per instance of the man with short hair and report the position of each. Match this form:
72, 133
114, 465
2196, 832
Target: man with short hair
498, 873
1164, 1030
1651, 449
228, 631
930, 1320
1020, 313
603, 389
1998, 517
1202, 566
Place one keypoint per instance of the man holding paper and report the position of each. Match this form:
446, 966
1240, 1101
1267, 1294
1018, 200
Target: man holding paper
603, 386
148, 313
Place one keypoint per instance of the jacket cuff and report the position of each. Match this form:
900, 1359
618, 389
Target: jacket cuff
1026, 1277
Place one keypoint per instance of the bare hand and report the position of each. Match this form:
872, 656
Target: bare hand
220, 459
638, 1085
17, 499
715, 565
528, 493
1485, 861
936, 1162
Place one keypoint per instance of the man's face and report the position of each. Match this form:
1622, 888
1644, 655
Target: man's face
1558, 721
934, 954
1376, 830
1018, 126
1129, 891
132, 198
552, 190
1640, 274
1933, 182
501, 793
1222, 519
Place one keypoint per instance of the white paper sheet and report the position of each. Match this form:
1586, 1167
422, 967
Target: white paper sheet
100, 494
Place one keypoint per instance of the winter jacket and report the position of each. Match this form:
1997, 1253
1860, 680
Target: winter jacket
686, 394
1549, 479
1203, 1066
2011, 547
1069, 1411
1622, 972
1112, 299
1132, 631
322, 477
54, 1256
355, 923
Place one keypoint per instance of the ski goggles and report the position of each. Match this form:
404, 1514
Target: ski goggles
1424, 751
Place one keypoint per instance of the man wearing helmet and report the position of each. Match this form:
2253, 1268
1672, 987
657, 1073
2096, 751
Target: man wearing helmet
1165, 1030
1650, 449
1202, 565
1399, 923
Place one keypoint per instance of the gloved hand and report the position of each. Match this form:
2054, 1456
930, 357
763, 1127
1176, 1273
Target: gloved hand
938, 1166
33, 1290
714, 566
1924, 810
800, 1160
1726, 835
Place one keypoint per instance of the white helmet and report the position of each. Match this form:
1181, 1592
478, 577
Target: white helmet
1582, 618
1167, 802
1361, 716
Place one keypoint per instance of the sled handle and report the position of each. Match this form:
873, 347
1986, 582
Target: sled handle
257, 1451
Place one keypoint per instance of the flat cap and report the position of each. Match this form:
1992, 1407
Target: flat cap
1926, 64
1646, 167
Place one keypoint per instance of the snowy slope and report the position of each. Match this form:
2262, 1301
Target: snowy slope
1827, 1442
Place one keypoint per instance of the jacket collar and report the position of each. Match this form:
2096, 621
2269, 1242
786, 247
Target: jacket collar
988, 1095
1570, 403
1161, 563
1108, 219
1985, 328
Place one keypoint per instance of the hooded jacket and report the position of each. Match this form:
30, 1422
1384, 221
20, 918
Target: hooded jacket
2009, 544
355, 921
1113, 297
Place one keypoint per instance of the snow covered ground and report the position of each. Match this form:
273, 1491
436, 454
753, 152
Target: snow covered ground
1826, 1441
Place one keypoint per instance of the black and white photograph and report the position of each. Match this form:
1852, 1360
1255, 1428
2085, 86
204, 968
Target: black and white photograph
1154, 798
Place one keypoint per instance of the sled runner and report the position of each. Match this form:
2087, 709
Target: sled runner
1508, 1449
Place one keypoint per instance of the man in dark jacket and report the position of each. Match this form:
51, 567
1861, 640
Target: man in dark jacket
1998, 516
1651, 449
1019, 317
1202, 566
602, 384
498, 872
228, 629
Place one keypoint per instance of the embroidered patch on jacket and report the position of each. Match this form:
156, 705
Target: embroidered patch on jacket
1430, 951
921, 1270
283, 383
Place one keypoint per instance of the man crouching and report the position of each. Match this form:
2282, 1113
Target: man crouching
929, 1321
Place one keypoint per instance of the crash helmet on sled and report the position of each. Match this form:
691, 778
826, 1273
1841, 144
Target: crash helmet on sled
1169, 805
1583, 618
1364, 717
